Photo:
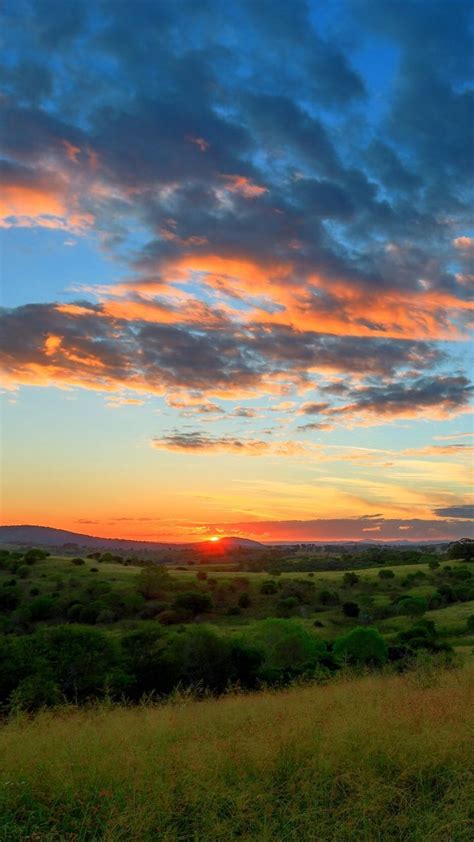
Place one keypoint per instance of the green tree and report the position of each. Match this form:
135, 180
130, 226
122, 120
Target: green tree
386, 574
287, 648
153, 580
194, 601
361, 646
350, 579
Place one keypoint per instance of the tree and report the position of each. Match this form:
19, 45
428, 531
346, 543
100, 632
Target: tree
351, 609
195, 602
386, 574
287, 647
361, 646
414, 606
462, 549
268, 587
152, 580
350, 579
244, 600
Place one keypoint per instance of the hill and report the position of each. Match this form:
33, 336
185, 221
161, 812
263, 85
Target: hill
378, 758
47, 536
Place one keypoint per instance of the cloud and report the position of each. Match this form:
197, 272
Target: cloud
435, 397
466, 511
347, 529
277, 220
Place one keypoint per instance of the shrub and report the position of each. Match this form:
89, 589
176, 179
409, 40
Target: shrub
328, 598
201, 575
244, 600
23, 571
412, 605
287, 648
195, 602
9, 598
350, 609
470, 623
287, 606
268, 587
93, 569
386, 574
77, 561
350, 579
41, 608
172, 618
152, 580
361, 646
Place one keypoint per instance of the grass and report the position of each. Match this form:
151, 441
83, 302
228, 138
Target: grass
382, 757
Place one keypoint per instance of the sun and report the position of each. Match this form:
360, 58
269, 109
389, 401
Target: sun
215, 538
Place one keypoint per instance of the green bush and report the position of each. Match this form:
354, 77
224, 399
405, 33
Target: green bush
414, 606
361, 646
287, 648
195, 602
386, 574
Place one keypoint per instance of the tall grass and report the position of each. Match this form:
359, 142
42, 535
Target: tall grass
375, 758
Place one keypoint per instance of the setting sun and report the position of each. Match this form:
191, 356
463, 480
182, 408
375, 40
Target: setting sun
215, 538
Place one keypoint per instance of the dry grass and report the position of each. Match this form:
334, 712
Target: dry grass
377, 758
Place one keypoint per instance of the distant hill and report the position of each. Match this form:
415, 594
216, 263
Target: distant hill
231, 541
50, 537
47, 536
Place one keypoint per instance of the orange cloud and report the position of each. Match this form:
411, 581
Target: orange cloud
244, 186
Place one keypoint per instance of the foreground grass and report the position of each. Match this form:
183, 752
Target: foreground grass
377, 758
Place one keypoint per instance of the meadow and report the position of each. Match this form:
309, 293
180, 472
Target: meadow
379, 757
197, 702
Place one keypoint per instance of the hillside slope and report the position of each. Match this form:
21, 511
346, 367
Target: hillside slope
379, 758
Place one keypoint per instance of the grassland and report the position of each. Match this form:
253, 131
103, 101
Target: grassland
56, 576
376, 758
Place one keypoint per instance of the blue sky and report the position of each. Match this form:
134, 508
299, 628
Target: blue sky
236, 260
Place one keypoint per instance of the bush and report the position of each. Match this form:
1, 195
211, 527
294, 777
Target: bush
287, 606
23, 571
172, 618
9, 598
470, 623
77, 561
350, 609
244, 600
152, 581
350, 579
287, 648
361, 646
412, 605
386, 574
195, 602
268, 587
42, 608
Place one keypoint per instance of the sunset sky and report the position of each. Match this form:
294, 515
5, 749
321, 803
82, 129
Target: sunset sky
237, 250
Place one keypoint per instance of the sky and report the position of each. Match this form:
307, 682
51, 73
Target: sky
237, 249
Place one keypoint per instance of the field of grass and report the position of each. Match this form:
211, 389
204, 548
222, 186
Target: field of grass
377, 758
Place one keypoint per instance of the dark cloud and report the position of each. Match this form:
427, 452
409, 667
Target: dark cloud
199, 441
314, 222
466, 511
349, 529
86, 345
440, 395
